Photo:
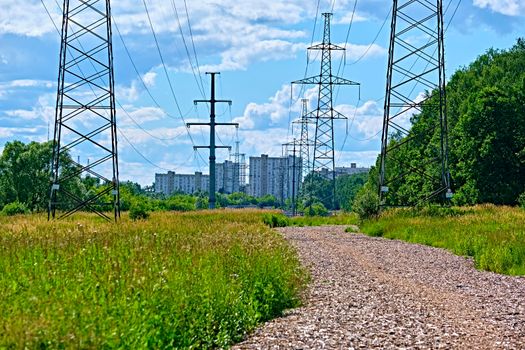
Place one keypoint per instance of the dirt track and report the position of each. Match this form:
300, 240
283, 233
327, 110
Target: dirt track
376, 293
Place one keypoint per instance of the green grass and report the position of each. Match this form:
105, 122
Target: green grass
194, 280
493, 236
280, 220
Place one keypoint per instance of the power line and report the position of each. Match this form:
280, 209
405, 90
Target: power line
200, 85
166, 72
172, 90
193, 43
375, 39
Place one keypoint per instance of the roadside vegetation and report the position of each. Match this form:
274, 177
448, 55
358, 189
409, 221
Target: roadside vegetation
178, 280
280, 220
493, 236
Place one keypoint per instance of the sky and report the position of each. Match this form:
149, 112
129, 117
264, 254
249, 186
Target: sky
258, 46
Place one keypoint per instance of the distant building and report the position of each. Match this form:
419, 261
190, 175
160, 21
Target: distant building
226, 181
164, 183
340, 171
274, 176
227, 176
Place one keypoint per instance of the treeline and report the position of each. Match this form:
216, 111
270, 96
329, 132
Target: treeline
25, 186
486, 122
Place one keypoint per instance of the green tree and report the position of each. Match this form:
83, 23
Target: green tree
25, 172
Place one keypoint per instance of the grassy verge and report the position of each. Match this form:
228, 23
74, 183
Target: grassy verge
195, 280
493, 236
280, 220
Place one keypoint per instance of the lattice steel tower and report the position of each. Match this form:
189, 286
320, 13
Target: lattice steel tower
324, 115
415, 78
304, 141
85, 121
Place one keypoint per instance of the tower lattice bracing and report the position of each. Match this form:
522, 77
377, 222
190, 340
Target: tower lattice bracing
325, 114
85, 120
415, 90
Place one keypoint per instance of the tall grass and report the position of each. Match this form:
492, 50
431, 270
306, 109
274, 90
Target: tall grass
493, 236
195, 280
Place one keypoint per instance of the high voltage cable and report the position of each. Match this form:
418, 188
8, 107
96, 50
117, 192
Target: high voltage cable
200, 85
301, 91
193, 43
375, 39
166, 73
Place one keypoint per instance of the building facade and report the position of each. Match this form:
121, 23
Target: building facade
277, 176
227, 180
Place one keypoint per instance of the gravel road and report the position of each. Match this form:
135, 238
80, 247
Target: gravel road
376, 293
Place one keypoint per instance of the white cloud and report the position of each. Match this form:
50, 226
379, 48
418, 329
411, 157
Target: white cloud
505, 7
149, 79
28, 18
351, 16
274, 112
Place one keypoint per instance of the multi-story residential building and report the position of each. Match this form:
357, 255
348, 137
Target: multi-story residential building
164, 183
227, 176
226, 181
274, 176
340, 171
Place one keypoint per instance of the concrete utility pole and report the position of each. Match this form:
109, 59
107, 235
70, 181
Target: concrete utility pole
212, 124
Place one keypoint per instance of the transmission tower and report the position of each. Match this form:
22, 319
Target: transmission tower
85, 121
415, 78
292, 147
304, 141
324, 115
212, 147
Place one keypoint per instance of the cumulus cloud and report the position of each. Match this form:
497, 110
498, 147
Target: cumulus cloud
505, 7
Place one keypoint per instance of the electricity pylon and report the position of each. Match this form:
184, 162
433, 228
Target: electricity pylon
85, 119
415, 79
304, 141
296, 170
212, 147
324, 115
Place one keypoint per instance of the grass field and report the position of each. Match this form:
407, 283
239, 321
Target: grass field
195, 280
493, 236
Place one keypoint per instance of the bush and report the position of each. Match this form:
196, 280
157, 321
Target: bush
138, 211
15, 208
366, 204
521, 200
275, 220
181, 204
316, 209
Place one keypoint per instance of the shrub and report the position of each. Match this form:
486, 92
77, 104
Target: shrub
275, 220
316, 209
138, 211
15, 208
521, 200
366, 204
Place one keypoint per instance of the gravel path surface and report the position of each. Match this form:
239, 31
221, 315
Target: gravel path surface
376, 293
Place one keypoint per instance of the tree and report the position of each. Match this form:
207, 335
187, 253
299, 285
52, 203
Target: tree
25, 173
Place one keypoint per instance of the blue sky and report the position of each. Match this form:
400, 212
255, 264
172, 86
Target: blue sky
259, 46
